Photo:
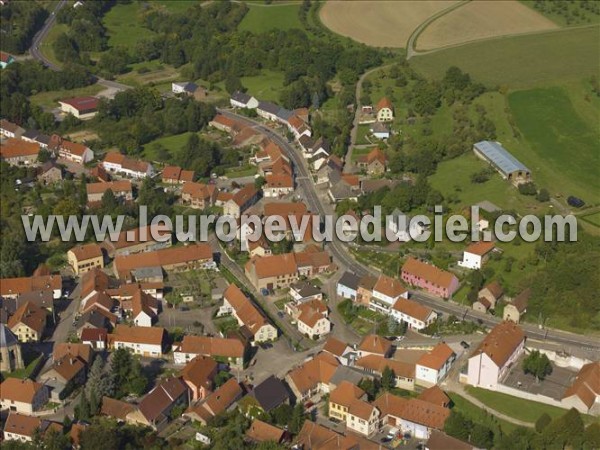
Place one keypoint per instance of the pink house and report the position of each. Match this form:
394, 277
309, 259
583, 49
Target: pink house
500, 349
436, 281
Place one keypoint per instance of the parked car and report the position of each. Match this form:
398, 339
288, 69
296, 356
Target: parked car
392, 434
464, 345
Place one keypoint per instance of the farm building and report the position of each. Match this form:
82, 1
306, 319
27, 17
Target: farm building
81, 107
500, 159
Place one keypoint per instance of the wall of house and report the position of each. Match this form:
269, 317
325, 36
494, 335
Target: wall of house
470, 261
140, 349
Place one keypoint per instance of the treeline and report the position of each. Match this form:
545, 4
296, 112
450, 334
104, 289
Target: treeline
566, 431
556, 291
19, 23
21, 79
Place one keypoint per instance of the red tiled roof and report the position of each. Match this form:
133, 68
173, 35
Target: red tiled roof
384, 103
14, 148
437, 357
501, 342
428, 272
82, 103
480, 248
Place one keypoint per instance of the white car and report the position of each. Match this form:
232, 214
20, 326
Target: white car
392, 433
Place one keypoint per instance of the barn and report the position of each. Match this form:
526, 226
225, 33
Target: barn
500, 159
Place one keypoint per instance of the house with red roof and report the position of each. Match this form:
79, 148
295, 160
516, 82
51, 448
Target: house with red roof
81, 107
433, 366
384, 110
374, 162
71, 151
476, 254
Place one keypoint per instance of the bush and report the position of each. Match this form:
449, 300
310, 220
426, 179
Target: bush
543, 196
527, 189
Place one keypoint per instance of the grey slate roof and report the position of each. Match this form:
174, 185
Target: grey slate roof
7, 338
31, 134
284, 114
347, 373
147, 272
500, 157
191, 87
350, 280
269, 107
271, 393
240, 97
305, 289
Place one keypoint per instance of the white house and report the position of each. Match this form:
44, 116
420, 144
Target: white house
415, 315
347, 286
432, 367
380, 130
303, 291
144, 341
268, 110
496, 353
385, 294
121, 164
241, 100
22, 396
476, 254
183, 87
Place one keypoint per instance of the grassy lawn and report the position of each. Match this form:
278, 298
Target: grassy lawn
521, 61
358, 152
516, 407
161, 76
453, 179
224, 325
124, 25
470, 411
563, 145
47, 43
593, 218
266, 86
363, 135
50, 99
262, 18
243, 171
280, 304
173, 144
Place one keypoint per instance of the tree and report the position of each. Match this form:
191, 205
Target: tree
55, 440
542, 422
82, 410
387, 379
537, 364
282, 415
259, 182
297, 419
543, 195
234, 84
482, 436
591, 435
458, 426
371, 387
527, 188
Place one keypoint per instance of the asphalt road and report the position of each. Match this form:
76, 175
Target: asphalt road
345, 260
35, 52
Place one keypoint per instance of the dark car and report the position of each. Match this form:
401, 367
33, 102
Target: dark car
575, 202
464, 345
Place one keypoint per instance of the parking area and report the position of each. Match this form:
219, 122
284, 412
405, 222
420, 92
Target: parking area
554, 385
192, 320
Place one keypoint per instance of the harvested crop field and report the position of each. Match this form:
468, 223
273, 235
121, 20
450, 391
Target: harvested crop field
379, 23
482, 20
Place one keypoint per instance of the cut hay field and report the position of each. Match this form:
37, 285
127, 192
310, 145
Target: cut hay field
262, 18
482, 20
521, 61
564, 144
379, 23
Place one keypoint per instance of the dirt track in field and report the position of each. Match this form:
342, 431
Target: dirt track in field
482, 20
379, 23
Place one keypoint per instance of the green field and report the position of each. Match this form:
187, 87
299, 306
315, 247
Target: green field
50, 99
562, 143
124, 25
593, 218
521, 61
519, 408
172, 143
262, 18
266, 86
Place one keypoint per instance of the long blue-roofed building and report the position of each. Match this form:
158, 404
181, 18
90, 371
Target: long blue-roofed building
500, 159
